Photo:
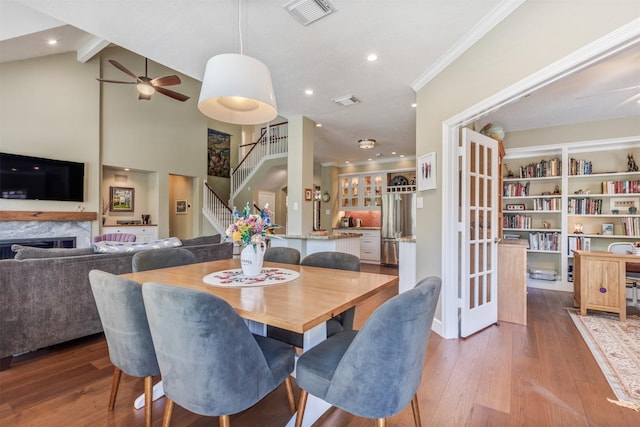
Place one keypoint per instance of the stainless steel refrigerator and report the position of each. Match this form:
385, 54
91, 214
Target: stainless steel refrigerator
398, 220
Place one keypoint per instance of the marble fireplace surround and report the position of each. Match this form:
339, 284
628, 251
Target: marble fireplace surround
37, 224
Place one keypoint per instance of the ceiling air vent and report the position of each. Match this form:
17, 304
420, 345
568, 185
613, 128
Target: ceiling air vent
308, 11
346, 100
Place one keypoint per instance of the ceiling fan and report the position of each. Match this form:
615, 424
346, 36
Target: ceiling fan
147, 86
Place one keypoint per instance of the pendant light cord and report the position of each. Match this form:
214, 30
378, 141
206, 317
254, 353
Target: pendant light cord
240, 26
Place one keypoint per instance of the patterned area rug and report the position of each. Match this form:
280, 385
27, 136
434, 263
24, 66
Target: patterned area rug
616, 347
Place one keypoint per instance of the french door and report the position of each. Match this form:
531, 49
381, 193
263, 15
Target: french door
479, 228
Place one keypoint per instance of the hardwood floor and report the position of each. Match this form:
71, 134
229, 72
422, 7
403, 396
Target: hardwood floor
507, 375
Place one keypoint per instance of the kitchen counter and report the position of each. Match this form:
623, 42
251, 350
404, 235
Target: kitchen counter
328, 236
357, 228
311, 243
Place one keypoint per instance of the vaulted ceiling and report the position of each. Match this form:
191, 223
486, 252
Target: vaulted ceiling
413, 40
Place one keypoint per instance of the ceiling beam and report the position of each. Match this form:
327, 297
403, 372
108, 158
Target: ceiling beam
91, 48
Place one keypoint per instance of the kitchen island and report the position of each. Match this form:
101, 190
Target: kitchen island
320, 242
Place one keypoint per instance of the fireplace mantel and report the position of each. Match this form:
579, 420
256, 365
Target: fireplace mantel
47, 216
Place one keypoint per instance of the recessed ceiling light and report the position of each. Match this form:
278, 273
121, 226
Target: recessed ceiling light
318, 125
401, 155
308, 92
372, 57
127, 169
370, 159
414, 105
52, 42
347, 161
393, 152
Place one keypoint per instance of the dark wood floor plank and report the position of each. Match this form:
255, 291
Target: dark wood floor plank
537, 375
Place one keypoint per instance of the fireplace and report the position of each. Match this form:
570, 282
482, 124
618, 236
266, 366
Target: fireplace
40, 242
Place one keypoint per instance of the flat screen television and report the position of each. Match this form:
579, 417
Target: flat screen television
36, 178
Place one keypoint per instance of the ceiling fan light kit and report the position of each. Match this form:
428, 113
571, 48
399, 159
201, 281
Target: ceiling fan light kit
366, 143
237, 89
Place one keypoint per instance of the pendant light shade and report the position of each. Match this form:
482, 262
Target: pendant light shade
237, 89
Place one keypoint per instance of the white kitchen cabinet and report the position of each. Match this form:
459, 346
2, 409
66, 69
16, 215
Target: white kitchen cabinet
369, 243
361, 191
144, 233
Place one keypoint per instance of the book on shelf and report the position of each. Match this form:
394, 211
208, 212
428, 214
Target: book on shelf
577, 243
539, 241
621, 187
516, 221
511, 236
542, 169
579, 167
631, 226
515, 189
586, 206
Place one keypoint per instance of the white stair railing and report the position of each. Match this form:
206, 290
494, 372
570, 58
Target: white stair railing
273, 143
216, 210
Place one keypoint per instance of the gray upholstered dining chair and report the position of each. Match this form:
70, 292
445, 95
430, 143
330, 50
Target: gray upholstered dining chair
374, 372
162, 258
339, 323
124, 321
210, 362
283, 255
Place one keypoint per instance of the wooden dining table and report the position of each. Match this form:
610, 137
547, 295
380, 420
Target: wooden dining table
301, 305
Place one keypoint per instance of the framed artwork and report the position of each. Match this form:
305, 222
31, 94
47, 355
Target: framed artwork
181, 207
607, 229
624, 205
218, 153
427, 172
308, 194
122, 199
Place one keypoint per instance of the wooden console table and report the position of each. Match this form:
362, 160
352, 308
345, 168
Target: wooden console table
600, 281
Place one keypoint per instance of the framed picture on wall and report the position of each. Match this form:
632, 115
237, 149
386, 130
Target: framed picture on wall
122, 199
308, 194
181, 207
427, 172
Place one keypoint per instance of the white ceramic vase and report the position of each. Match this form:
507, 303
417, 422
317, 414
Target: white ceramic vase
251, 259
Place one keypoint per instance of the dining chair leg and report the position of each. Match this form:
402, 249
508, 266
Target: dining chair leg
416, 410
148, 400
381, 422
115, 383
302, 403
224, 421
292, 401
168, 412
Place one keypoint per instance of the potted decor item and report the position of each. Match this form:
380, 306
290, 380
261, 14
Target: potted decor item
250, 230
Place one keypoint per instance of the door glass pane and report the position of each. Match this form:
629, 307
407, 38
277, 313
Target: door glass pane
472, 160
489, 295
472, 258
481, 160
472, 292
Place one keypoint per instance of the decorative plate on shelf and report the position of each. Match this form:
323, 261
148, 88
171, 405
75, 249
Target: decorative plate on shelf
399, 180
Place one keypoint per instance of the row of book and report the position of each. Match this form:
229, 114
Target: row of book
621, 187
543, 168
579, 244
542, 204
631, 226
516, 221
515, 189
585, 206
579, 167
539, 241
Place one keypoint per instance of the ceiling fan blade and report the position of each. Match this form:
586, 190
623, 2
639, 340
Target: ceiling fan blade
115, 81
166, 81
122, 68
172, 94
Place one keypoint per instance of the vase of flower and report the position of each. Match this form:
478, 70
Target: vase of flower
250, 230
251, 259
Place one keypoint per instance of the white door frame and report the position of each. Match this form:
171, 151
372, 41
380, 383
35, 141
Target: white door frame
608, 45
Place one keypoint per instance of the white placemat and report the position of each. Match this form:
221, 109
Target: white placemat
234, 278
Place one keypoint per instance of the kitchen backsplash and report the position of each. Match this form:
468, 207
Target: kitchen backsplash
369, 218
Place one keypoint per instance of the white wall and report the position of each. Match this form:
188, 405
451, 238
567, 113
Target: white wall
534, 36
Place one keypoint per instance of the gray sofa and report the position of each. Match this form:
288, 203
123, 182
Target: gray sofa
48, 300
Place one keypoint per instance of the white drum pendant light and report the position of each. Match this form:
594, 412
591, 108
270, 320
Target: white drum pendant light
237, 88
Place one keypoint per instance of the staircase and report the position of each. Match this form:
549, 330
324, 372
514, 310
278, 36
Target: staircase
272, 144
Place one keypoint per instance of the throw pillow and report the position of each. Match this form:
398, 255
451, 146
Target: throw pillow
106, 247
30, 252
202, 240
